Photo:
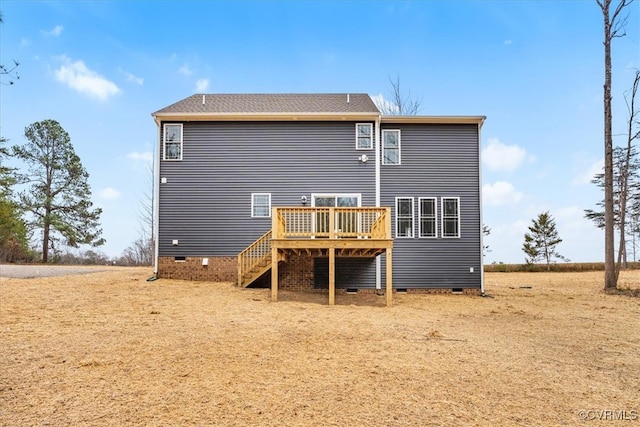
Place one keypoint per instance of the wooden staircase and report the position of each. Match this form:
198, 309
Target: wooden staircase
255, 260
318, 232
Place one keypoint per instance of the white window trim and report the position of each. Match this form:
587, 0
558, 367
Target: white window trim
371, 136
399, 147
435, 217
253, 205
164, 142
442, 211
413, 218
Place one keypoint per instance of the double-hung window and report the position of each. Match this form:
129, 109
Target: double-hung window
427, 217
260, 205
450, 216
404, 216
391, 147
364, 136
172, 142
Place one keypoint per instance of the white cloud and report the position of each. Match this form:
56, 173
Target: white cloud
501, 157
202, 85
507, 42
185, 70
500, 193
77, 76
146, 156
582, 241
24, 42
505, 241
587, 175
132, 78
54, 32
109, 193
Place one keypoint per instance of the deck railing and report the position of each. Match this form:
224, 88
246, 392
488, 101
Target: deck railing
331, 223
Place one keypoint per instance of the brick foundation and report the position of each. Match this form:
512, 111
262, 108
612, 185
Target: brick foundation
295, 275
219, 269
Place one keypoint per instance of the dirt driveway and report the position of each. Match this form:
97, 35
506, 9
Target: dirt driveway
32, 271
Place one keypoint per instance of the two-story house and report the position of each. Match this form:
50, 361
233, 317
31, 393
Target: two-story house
317, 191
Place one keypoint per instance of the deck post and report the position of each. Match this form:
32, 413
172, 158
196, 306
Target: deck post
274, 274
332, 276
389, 290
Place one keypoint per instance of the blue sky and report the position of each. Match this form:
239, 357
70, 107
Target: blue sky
534, 68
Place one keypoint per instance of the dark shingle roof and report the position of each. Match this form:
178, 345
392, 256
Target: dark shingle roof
272, 104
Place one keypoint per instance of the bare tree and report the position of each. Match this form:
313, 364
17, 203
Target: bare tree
614, 24
485, 231
626, 178
401, 104
141, 251
633, 133
146, 242
137, 253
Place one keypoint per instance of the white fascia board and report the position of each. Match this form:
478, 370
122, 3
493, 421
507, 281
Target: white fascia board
479, 120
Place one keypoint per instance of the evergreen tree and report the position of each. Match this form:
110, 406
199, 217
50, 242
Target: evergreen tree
541, 241
7, 174
58, 197
13, 232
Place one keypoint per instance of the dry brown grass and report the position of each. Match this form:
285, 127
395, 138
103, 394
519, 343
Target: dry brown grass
113, 349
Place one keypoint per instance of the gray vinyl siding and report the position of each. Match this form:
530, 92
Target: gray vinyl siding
437, 161
350, 273
206, 202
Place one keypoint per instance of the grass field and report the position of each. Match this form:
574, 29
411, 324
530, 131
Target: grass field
110, 348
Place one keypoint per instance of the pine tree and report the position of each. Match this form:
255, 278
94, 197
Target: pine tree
58, 198
541, 241
7, 174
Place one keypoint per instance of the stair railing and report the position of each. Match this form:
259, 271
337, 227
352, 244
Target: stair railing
254, 255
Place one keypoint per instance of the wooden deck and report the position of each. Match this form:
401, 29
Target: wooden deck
363, 232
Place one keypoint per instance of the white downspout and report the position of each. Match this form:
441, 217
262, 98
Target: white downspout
156, 199
376, 146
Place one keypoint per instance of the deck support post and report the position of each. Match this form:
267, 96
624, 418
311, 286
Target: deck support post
389, 290
332, 276
274, 274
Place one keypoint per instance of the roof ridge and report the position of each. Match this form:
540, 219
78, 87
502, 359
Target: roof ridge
265, 103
